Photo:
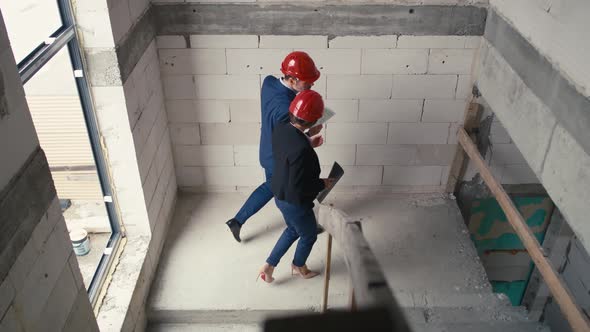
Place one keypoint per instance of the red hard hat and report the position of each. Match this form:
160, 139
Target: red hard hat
307, 105
301, 66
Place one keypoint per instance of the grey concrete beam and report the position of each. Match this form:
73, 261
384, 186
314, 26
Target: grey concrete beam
570, 107
135, 43
332, 20
22, 205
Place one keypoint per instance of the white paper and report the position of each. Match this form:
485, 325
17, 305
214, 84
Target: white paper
328, 113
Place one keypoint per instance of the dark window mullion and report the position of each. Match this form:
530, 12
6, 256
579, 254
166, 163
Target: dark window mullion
45, 52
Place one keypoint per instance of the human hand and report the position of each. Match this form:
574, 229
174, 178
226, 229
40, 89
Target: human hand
328, 182
316, 140
315, 130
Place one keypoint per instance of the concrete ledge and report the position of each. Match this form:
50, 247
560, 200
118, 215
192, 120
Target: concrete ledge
23, 203
331, 20
570, 107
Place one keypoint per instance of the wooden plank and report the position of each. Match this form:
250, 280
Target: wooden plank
457, 170
327, 274
561, 294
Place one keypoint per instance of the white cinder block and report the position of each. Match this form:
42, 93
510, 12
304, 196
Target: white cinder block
247, 111
443, 110
390, 110
224, 41
518, 174
431, 42
178, 87
358, 175
164, 153
498, 134
149, 185
450, 61
53, 317
355, 86
137, 8
464, 87
293, 42
23, 265
418, 133
337, 61
233, 176
255, 61
7, 293
346, 110
211, 111
204, 155
10, 321
120, 18
230, 133
320, 86
201, 111
389, 41
395, 61
227, 86
473, 41
189, 176
506, 154
37, 286
246, 155
453, 129
435, 154
424, 86
184, 134
190, 61
343, 154
412, 175
356, 133
171, 42
386, 154
75, 268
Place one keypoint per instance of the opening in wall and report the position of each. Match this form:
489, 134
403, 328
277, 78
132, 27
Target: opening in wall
57, 93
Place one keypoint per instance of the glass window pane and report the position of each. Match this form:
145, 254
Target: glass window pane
56, 110
29, 23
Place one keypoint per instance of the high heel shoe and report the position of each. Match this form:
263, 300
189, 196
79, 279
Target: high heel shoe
303, 271
265, 273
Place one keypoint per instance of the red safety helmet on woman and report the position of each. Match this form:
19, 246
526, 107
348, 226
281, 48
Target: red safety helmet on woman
308, 106
301, 66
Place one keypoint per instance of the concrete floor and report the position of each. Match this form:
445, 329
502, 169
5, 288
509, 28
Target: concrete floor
206, 276
89, 215
92, 217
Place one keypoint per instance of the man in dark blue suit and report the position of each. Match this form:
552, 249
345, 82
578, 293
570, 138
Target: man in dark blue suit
276, 96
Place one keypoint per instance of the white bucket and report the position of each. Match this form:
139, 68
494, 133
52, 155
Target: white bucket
80, 241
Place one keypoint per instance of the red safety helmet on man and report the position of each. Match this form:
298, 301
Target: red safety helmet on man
301, 66
308, 106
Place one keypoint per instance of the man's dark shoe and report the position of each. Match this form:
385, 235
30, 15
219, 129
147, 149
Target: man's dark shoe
319, 229
234, 227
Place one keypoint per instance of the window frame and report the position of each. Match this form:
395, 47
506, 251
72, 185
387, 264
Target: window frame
66, 36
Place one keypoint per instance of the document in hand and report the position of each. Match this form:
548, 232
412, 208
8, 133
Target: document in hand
328, 113
336, 173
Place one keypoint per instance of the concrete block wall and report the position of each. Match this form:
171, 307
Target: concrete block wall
124, 74
502, 155
41, 288
534, 82
398, 101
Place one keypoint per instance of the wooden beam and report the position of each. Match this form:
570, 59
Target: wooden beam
327, 274
562, 295
457, 170
368, 281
